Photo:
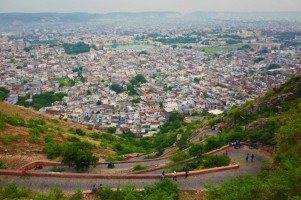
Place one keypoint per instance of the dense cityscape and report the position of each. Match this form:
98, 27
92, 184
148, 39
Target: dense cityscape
132, 77
140, 99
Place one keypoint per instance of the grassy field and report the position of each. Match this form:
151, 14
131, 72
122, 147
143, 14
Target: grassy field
65, 82
223, 48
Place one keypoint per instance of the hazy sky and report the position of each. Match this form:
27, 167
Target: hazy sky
104, 6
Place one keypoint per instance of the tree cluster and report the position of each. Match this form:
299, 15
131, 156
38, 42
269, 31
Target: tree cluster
41, 100
77, 48
139, 78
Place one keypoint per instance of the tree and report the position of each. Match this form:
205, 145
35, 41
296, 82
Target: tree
117, 88
79, 155
133, 81
137, 100
3, 93
259, 59
89, 92
98, 103
197, 80
140, 78
176, 117
112, 129
131, 89
177, 159
27, 49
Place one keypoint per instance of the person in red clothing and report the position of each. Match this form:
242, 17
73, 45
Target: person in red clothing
24, 174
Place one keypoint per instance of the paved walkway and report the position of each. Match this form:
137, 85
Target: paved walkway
192, 182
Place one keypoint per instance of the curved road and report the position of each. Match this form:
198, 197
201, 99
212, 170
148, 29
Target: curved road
192, 182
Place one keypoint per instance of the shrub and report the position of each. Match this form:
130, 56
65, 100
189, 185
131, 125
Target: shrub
111, 129
79, 132
114, 158
139, 167
177, 159
105, 193
8, 139
55, 121
56, 193
150, 157
13, 191
196, 150
78, 195
34, 132
2, 164
49, 138
13, 120
73, 139
57, 169
35, 139
53, 150
166, 189
35, 123
242, 187
2, 125
94, 136
209, 161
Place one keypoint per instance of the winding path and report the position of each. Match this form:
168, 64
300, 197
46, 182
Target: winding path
191, 183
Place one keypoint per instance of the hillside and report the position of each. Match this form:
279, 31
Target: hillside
19, 146
274, 120
271, 122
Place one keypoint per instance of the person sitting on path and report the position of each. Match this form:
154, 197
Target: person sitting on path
252, 157
100, 187
174, 176
94, 189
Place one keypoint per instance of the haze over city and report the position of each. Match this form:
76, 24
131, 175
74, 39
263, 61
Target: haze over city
104, 6
150, 99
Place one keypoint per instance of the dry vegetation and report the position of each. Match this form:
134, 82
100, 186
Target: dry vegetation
20, 151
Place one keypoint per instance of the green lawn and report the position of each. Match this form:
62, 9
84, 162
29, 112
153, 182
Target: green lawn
65, 82
223, 48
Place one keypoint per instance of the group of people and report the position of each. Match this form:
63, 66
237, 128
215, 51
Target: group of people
252, 157
94, 188
174, 175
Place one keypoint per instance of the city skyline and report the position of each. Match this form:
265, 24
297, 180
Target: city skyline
101, 6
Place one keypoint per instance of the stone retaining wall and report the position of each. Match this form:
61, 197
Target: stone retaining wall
124, 176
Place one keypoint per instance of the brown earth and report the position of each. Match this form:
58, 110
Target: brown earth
21, 152
28, 113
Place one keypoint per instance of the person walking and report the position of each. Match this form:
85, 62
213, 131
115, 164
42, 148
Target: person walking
174, 176
162, 175
247, 157
252, 157
24, 174
186, 173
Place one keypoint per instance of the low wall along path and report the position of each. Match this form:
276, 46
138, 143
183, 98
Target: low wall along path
195, 180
